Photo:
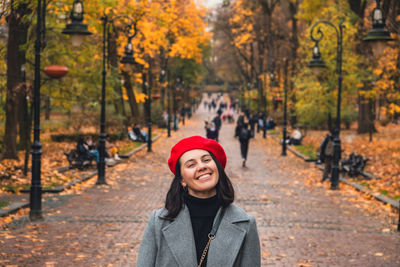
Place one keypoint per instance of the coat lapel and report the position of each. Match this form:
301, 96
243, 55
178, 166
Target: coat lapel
228, 240
180, 239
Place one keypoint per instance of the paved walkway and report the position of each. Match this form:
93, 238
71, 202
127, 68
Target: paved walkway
300, 223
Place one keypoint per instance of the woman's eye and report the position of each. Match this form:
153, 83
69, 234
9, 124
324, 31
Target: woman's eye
207, 160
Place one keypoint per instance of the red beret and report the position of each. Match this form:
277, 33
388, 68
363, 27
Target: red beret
196, 142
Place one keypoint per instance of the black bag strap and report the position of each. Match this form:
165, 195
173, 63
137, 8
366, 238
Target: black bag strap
212, 234
217, 222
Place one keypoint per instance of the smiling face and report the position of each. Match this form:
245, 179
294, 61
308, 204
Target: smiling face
199, 173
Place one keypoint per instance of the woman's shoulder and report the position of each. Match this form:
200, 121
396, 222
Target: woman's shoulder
237, 214
157, 213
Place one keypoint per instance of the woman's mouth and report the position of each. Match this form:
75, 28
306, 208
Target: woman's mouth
204, 176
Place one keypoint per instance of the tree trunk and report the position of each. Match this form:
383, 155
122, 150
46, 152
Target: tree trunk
144, 91
131, 96
17, 36
24, 118
28, 113
113, 58
293, 7
365, 111
365, 115
47, 104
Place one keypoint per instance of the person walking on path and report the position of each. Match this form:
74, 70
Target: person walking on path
239, 124
217, 122
199, 225
253, 120
211, 130
328, 151
244, 138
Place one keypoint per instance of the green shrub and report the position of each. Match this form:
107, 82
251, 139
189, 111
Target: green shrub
308, 151
4, 204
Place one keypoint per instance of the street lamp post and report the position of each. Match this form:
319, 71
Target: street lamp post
149, 110
316, 63
264, 98
162, 80
285, 110
168, 104
129, 61
378, 36
35, 202
174, 123
77, 30
272, 84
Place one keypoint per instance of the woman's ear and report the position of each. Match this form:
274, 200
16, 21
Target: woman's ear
183, 183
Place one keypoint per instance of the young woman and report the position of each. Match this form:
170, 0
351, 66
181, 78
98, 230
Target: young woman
199, 225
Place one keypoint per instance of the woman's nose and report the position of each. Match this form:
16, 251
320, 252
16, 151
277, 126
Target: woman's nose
202, 165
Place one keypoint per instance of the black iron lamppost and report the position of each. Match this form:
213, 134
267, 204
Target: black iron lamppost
264, 98
35, 203
163, 77
248, 95
272, 84
174, 104
76, 29
285, 110
149, 110
169, 105
378, 36
317, 63
129, 62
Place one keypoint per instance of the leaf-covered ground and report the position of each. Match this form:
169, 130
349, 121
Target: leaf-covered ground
383, 153
53, 158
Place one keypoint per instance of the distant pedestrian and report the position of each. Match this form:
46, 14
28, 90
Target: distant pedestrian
218, 123
211, 131
253, 120
239, 124
322, 147
328, 157
199, 225
244, 138
261, 119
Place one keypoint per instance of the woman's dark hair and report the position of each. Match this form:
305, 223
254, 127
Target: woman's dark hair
175, 196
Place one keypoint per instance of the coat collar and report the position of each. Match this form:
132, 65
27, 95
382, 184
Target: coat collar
223, 249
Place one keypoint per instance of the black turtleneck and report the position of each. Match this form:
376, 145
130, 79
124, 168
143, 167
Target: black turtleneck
202, 212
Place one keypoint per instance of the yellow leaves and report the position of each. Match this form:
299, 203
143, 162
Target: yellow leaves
8, 220
122, 245
124, 94
141, 61
243, 39
393, 108
141, 98
265, 254
108, 10
378, 72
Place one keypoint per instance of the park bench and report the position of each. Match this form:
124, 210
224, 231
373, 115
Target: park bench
354, 164
77, 160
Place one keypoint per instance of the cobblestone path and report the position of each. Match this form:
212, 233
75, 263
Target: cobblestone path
301, 222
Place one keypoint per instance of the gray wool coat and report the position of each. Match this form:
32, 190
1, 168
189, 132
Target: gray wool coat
171, 243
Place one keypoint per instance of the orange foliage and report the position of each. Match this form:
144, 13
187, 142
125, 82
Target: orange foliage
383, 154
